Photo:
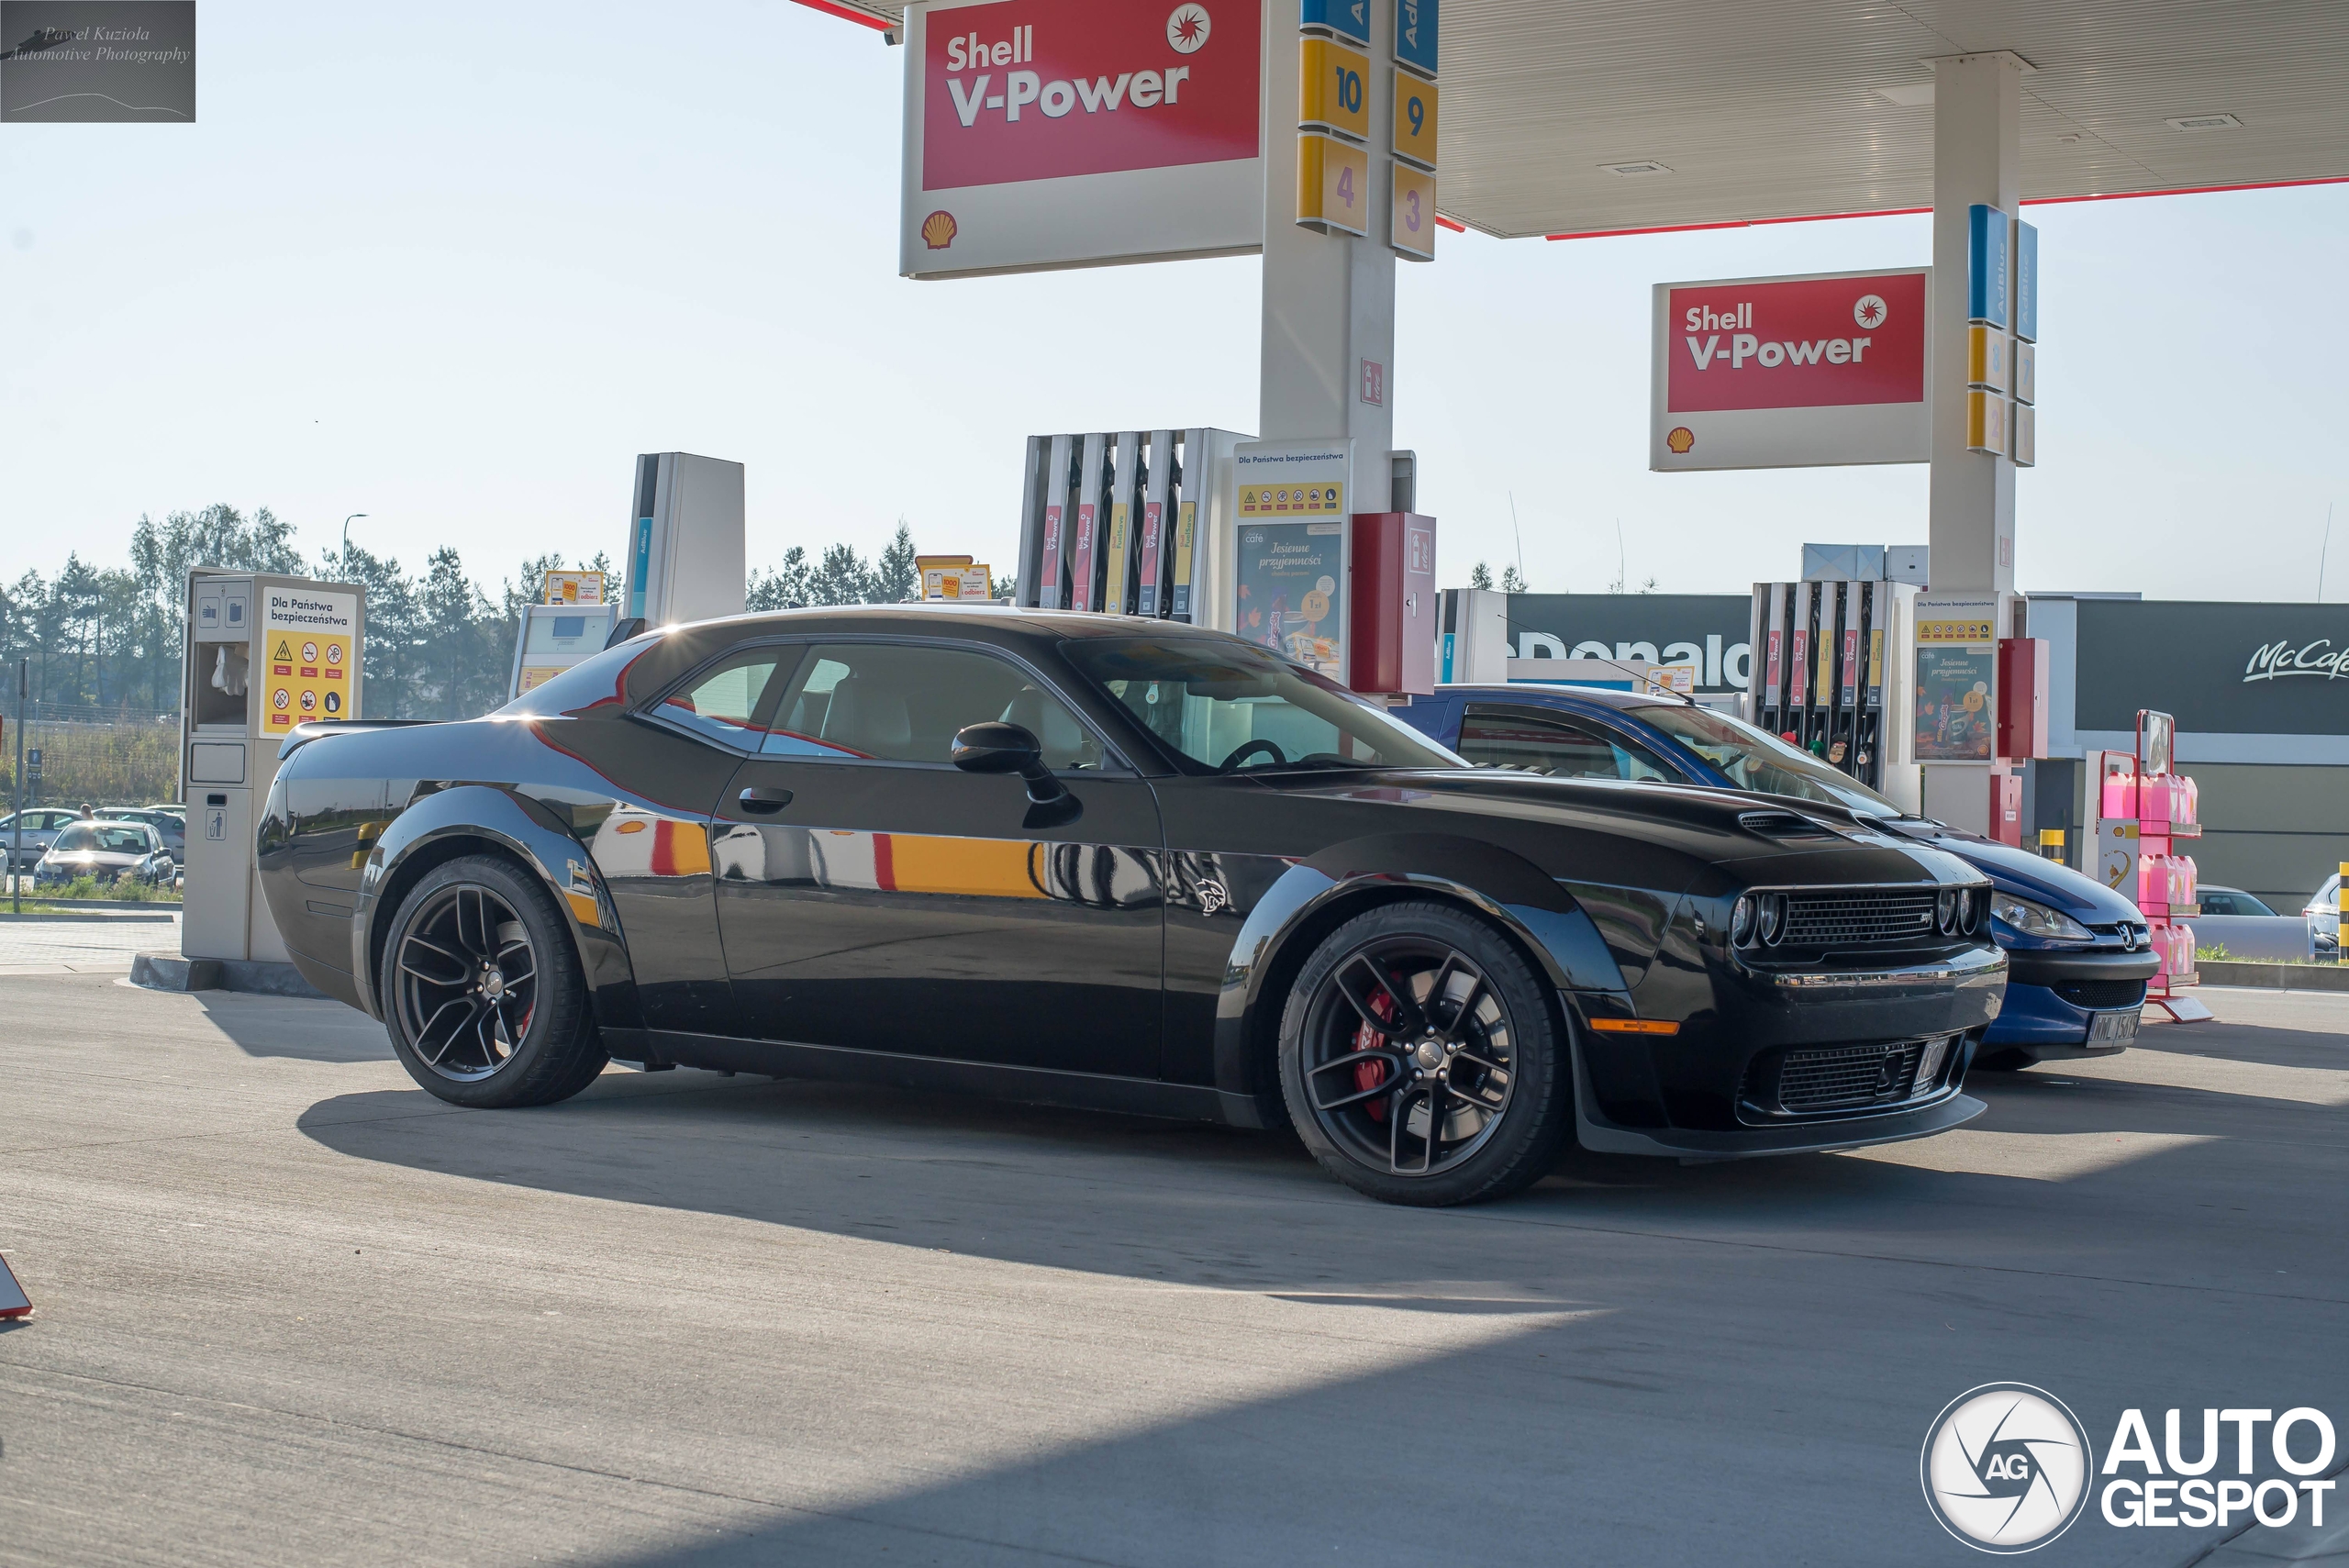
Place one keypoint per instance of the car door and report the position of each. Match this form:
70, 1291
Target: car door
666, 765
873, 896
1561, 744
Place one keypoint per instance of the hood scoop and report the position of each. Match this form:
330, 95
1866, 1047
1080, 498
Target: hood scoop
1788, 827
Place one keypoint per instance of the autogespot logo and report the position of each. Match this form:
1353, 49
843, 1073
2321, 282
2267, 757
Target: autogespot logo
2006, 1467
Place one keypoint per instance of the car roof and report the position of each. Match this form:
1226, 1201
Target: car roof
1604, 697
932, 616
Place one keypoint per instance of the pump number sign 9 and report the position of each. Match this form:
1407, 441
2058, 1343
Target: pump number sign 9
1793, 372
1059, 133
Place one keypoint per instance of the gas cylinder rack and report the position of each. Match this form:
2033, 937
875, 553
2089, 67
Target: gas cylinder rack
1126, 522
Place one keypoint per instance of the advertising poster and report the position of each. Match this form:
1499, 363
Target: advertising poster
571, 588
1954, 719
313, 669
1289, 599
1056, 133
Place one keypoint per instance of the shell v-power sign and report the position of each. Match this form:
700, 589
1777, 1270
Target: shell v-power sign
1783, 373
1070, 133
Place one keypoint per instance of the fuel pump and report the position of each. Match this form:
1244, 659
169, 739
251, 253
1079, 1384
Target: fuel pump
1118, 587
1159, 472
1093, 484
1832, 675
1162, 560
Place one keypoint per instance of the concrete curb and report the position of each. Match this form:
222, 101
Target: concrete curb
86, 917
2274, 976
170, 972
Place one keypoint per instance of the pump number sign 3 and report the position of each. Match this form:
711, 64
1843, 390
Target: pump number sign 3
1058, 133
312, 671
1792, 371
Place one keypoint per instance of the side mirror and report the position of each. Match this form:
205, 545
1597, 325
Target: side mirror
999, 748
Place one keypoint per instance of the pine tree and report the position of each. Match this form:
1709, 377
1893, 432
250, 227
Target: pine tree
1480, 576
1513, 581
897, 579
842, 578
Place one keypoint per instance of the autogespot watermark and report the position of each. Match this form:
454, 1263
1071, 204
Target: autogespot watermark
90, 61
2008, 1468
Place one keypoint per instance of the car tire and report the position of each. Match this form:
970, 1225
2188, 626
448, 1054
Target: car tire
1410, 1007
483, 993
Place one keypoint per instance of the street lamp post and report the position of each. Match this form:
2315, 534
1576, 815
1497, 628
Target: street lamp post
342, 560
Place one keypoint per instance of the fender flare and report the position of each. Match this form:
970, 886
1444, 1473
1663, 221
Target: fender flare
528, 832
1529, 904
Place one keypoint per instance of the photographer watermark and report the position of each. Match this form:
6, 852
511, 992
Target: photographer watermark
91, 61
2008, 1468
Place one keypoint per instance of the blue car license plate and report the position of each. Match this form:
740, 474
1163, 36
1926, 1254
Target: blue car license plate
2113, 1028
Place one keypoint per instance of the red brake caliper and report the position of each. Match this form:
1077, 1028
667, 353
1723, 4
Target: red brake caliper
1370, 1075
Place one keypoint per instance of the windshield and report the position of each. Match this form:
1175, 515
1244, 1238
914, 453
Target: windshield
108, 837
1222, 706
1762, 762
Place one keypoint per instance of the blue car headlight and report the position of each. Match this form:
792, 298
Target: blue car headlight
2029, 918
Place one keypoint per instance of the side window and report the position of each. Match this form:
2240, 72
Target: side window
1562, 747
722, 703
902, 703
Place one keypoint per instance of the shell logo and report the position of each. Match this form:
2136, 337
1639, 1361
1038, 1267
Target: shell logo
1187, 28
938, 230
1680, 439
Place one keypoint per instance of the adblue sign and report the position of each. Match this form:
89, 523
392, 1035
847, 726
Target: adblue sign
1053, 133
1793, 372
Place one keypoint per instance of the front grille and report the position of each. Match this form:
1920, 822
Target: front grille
2095, 994
1847, 1077
1858, 920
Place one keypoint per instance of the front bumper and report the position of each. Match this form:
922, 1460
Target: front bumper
1711, 1089
2038, 1017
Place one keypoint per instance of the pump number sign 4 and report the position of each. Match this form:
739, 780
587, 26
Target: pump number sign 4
1056, 133
1791, 372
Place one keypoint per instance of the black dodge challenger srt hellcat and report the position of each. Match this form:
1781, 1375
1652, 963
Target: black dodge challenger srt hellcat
1124, 864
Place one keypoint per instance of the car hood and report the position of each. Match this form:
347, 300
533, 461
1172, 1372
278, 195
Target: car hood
1611, 832
2012, 870
95, 858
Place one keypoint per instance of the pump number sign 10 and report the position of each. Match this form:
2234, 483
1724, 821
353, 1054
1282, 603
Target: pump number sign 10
1059, 133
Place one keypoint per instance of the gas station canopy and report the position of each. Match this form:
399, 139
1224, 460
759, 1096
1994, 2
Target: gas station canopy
1587, 116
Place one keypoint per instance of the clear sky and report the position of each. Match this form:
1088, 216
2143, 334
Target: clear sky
454, 266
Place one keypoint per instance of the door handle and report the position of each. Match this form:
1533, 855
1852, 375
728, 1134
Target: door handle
763, 799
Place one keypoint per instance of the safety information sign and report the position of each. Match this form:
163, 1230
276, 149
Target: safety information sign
312, 667
1053, 133
1791, 372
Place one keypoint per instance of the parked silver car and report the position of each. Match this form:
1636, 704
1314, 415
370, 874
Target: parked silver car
104, 851
2322, 912
42, 826
167, 823
2246, 926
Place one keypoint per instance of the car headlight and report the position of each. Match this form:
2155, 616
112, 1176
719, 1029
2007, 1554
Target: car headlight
2032, 919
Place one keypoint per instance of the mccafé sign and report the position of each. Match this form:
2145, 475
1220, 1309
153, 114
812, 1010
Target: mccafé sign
2281, 661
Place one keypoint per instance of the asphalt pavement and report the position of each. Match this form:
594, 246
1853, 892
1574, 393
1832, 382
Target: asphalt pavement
293, 1310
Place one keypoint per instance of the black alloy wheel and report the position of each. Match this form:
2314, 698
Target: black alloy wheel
1420, 1062
483, 992
467, 981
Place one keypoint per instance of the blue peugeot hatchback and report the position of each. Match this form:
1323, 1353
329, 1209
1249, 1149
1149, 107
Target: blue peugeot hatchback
2078, 953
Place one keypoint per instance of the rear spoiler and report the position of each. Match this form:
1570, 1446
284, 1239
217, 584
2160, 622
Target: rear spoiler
305, 733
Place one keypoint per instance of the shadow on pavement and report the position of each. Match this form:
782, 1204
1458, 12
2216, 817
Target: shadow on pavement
303, 1029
